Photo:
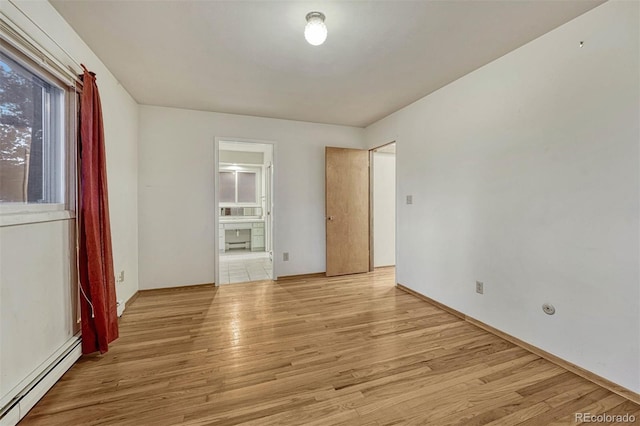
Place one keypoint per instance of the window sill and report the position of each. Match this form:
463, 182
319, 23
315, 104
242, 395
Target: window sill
33, 214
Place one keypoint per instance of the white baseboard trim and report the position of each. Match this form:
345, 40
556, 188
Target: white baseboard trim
29, 397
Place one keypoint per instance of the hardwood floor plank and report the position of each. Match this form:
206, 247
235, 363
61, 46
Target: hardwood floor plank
348, 350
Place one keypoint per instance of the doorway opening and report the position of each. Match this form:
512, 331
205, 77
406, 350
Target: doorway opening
383, 206
244, 206
360, 209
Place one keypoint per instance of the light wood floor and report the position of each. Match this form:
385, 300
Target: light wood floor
322, 351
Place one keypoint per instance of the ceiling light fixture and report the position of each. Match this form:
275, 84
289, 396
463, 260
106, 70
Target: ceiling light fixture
315, 31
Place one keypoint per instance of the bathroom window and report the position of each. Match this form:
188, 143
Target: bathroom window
246, 182
227, 187
239, 186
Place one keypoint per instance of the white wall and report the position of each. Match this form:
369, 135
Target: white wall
176, 206
525, 175
36, 305
384, 209
39, 290
241, 157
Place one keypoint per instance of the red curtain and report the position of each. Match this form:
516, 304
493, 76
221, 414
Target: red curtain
98, 298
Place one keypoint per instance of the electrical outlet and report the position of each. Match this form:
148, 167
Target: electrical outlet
120, 307
479, 287
120, 277
285, 256
409, 199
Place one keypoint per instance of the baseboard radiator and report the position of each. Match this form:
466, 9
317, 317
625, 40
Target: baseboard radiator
18, 407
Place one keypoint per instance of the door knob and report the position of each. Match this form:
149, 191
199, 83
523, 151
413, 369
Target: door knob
329, 217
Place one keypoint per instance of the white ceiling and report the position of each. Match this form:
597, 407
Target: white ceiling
250, 57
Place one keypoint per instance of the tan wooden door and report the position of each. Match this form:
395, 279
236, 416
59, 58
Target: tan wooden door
347, 210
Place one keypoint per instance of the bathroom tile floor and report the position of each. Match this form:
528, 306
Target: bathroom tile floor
239, 266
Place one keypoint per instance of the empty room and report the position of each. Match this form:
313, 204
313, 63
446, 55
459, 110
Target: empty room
261, 212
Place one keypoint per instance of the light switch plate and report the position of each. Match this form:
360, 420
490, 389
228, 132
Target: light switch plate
409, 199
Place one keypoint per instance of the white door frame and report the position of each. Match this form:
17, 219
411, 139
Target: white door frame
371, 227
216, 201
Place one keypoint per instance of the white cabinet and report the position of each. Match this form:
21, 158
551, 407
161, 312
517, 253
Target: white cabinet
253, 231
257, 236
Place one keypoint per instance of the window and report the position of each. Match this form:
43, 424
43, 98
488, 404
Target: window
32, 136
246, 187
239, 186
227, 187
